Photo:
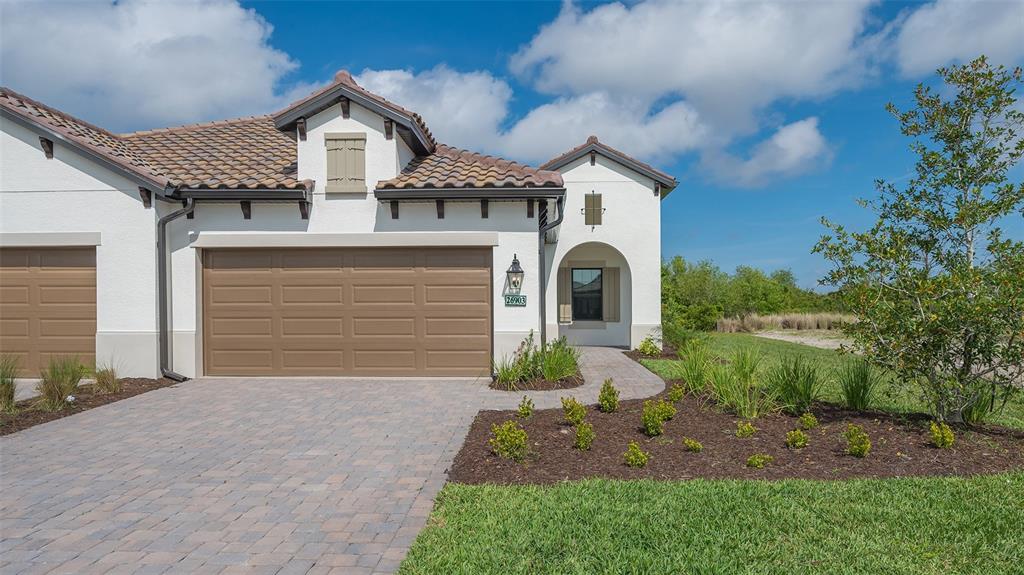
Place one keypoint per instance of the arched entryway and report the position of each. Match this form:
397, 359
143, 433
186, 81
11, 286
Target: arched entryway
594, 296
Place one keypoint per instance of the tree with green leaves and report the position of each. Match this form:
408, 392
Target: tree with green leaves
938, 288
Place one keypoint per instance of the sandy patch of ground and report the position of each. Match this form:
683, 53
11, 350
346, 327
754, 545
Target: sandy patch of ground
816, 338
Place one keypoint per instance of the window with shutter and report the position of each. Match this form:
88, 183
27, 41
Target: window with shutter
346, 163
592, 210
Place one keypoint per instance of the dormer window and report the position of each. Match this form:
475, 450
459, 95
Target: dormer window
346, 162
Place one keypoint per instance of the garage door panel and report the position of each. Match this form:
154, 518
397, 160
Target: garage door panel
47, 305
348, 311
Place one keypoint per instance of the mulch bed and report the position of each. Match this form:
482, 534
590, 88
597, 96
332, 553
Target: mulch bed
541, 384
28, 416
900, 447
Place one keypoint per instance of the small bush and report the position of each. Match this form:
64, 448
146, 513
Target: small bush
668, 411
796, 439
795, 383
107, 380
653, 418
574, 411
695, 362
634, 456
509, 441
808, 421
745, 429
608, 399
648, 348
525, 407
857, 442
942, 435
59, 382
676, 393
692, 445
759, 460
678, 332
584, 436
858, 380
8, 373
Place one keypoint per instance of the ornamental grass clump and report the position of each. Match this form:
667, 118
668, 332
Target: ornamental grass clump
676, 393
736, 386
525, 408
608, 398
584, 436
745, 429
859, 380
759, 460
107, 380
857, 442
8, 373
695, 361
559, 360
942, 435
692, 445
58, 383
509, 441
795, 383
808, 421
634, 456
573, 410
796, 439
556, 361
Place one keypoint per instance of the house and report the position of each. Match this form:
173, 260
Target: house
335, 237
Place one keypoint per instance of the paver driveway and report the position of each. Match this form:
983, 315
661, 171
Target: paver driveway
248, 475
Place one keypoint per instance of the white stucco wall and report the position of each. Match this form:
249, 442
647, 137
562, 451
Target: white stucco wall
71, 193
631, 224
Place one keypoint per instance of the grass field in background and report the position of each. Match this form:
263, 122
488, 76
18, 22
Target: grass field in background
830, 361
921, 526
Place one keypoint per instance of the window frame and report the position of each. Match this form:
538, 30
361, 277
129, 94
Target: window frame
600, 293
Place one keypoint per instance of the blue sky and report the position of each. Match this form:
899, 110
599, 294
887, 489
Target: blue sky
771, 115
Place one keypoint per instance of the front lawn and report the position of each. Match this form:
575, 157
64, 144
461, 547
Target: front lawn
725, 344
920, 526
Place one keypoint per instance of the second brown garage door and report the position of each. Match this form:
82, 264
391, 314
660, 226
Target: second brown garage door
347, 311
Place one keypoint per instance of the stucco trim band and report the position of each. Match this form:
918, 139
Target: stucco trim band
317, 240
48, 239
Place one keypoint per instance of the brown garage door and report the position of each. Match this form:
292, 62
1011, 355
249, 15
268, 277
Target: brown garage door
347, 311
47, 305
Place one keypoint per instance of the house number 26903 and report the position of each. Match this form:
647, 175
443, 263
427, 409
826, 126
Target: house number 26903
515, 300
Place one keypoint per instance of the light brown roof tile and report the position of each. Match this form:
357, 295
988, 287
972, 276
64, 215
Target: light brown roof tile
450, 167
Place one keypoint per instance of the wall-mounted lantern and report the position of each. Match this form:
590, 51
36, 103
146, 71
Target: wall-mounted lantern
515, 274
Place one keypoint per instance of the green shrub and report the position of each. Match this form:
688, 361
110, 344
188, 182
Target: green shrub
736, 387
574, 411
8, 373
59, 382
107, 380
648, 347
608, 399
796, 439
559, 361
692, 445
858, 380
634, 456
676, 393
695, 362
759, 460
584, 436
857, 442
808, 421
509, 441
942, 435
745, 429
525, 407
676, 333
795, 383
652, 418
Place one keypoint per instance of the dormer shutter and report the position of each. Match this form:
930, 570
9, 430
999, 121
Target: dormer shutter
346, 162
592, 209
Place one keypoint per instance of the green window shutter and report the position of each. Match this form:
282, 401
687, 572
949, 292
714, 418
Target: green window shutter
610, 294
346, 162
564, 296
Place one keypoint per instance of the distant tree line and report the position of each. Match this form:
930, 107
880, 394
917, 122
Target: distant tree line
696, 295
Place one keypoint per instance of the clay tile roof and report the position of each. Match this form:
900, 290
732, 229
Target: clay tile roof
93, 139
245, 153
593, 144
450, 167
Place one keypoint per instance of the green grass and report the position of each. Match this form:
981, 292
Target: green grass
830, 362
919, 526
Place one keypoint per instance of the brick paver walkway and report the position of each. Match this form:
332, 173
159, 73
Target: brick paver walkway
249, 475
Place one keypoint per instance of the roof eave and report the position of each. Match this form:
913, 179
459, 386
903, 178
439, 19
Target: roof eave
407, 194
668, 183
161, 186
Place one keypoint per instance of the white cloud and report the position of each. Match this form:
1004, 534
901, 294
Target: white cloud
948, 31
463, 109
792, 149
132, 64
